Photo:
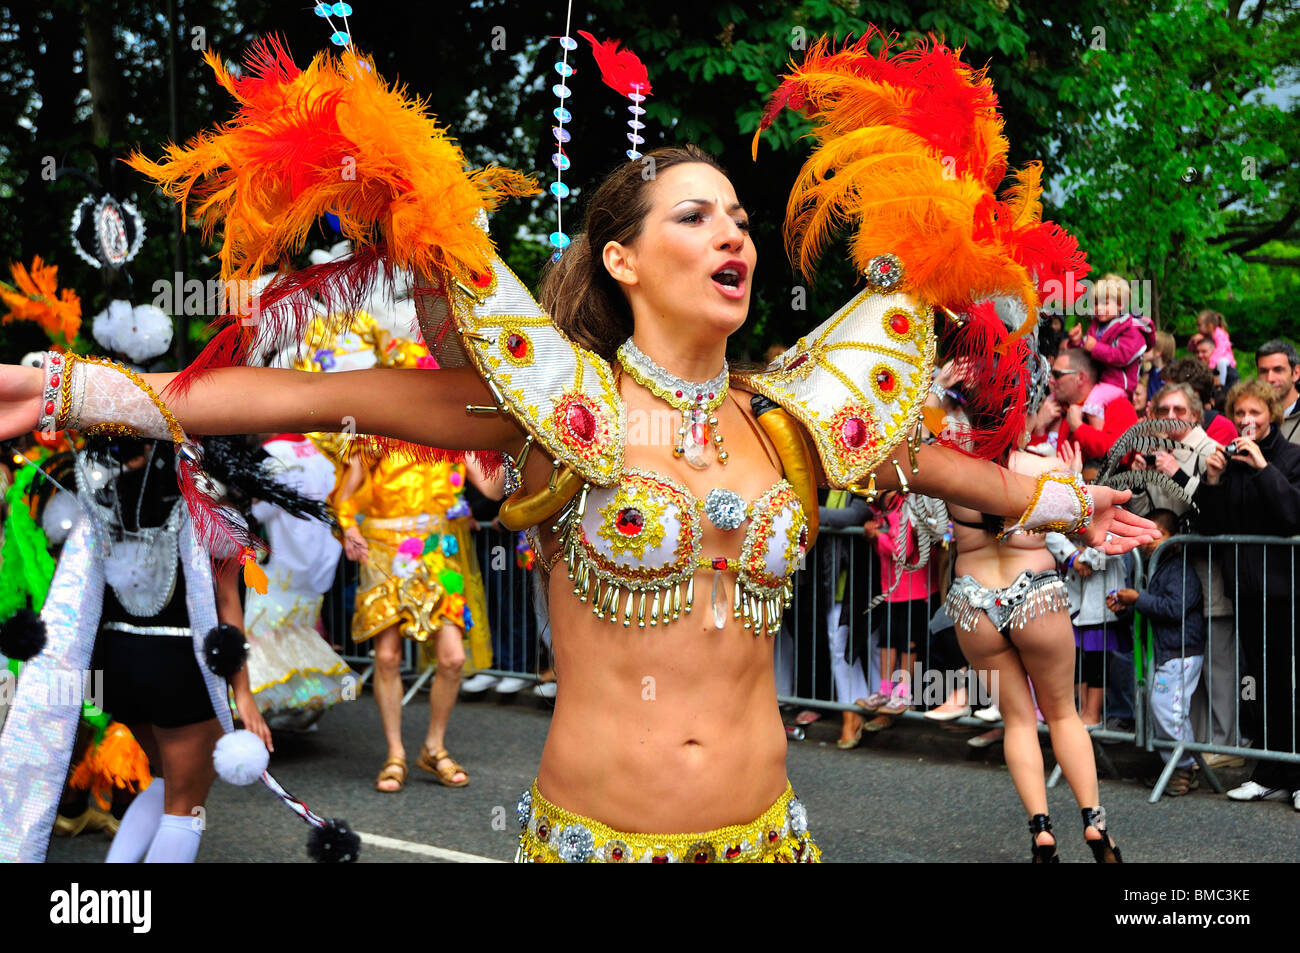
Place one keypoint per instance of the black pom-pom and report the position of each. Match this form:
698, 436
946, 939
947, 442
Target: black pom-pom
224, 650
23, 636
335, 843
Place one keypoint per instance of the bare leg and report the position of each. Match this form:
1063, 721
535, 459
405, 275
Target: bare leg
388, 695
1047, 651
187, 765
446, 685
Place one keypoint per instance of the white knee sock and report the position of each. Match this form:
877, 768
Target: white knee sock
177, 841
139, 825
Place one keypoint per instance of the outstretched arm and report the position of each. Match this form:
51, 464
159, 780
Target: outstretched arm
419, 406
989, 488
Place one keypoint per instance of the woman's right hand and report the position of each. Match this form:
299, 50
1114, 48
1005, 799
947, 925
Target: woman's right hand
20, 399
355, 546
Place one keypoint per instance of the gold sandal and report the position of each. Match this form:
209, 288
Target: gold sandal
394, 769
429, 762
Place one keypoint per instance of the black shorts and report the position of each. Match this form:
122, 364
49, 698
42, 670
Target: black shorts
151, 679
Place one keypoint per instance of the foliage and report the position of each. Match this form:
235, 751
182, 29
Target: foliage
1187, 167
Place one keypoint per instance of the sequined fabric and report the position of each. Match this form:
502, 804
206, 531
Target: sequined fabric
37, 741
1029, 596
552, 835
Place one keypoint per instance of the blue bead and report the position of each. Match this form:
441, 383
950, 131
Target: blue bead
633, 154
322, 9
342, 10
560, 240
633, 138
562, 114
559, 89
561, 134
559, 190
560, 161
333, 221
564, 69
568, 42
555, 255
339, 38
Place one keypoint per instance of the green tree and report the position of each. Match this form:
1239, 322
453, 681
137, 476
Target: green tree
1187, 170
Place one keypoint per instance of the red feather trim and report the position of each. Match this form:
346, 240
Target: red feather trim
622, 70
997, 397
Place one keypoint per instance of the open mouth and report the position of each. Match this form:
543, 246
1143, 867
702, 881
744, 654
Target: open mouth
729, 277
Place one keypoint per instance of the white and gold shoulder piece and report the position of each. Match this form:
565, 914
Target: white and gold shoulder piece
563, 394
858, 381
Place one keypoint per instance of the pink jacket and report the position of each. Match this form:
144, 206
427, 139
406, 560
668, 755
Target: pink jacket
1222, 349
1119, 349
917, 583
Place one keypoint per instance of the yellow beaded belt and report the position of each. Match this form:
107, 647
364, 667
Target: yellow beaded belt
552, 835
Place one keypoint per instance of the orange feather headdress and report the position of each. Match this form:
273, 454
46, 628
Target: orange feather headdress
332, 139
910, 153
34, 296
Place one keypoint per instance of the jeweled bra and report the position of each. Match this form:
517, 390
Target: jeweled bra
632, 552
855, 383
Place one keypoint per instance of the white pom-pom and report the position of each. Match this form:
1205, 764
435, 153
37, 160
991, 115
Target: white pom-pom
240, 757
59, 517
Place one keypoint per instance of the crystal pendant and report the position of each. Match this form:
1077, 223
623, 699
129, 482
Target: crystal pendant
719, 601
696, 442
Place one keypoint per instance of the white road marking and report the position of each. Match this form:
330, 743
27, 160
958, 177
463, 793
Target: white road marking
427, 850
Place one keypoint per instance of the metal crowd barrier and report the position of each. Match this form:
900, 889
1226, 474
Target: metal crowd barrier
520, 640
1280, 630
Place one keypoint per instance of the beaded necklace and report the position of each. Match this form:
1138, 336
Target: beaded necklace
695, 401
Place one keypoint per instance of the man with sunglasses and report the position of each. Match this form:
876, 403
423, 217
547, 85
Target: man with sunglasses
1092, 414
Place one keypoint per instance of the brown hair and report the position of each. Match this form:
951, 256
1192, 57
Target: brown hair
1261, 391
1189, 370
586, 303
1212, 318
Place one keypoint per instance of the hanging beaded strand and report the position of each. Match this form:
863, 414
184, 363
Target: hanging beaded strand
327, 11
635, 123
697, 403
559, 240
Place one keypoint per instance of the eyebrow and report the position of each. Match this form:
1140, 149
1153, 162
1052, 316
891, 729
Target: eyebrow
737, 207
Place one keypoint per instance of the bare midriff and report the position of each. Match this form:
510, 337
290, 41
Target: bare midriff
672, 728
995, 564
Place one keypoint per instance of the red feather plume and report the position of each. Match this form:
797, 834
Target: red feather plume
622, 70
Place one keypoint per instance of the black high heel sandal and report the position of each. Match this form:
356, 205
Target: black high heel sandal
1103, 848
1042, 853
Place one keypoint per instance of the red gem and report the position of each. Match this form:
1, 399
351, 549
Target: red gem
719, 562
543, 832
616, 853
796, 362
659, 859
733, 852
581, 422
900, 324
886, 267
54, 380
679, 393
701, 858
711, 395
49, 406
55, 359
854, 432
803, 538
629, 521
517, 346
886, 380
773, 837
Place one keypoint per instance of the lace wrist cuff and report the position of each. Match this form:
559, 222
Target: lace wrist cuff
1061, 504
97, 396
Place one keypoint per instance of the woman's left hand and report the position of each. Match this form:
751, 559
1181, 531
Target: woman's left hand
252, 718
1114, 530
1248, 452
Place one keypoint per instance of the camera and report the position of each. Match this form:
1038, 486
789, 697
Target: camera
1230, 449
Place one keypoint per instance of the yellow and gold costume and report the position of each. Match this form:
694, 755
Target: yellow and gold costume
552, 835
422, 570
